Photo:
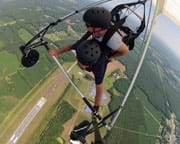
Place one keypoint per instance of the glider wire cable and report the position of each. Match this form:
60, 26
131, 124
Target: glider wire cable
146, 30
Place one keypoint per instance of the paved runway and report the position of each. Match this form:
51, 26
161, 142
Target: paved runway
30, 116
20, 130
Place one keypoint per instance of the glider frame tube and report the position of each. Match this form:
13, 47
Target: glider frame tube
137, 70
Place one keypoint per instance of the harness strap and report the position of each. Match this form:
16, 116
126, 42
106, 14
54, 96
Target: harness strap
114, 28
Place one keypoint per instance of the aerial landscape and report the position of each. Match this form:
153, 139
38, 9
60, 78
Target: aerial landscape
38, 105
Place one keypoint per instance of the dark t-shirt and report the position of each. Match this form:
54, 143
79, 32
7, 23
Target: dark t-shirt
99, 70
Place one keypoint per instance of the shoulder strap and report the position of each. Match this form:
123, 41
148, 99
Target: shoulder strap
105, 49
85, 36
110, 32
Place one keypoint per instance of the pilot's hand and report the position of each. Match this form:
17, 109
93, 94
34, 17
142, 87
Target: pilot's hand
96, 110
53, 52
111, 59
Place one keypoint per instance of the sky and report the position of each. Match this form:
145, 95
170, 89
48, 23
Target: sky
172, 7
169, 29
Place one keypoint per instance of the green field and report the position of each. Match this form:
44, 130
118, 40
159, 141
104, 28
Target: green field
52, 132
56, 36
24, 35
6, 20
8, 63
146, 107
1, 45
138, 121
16, 82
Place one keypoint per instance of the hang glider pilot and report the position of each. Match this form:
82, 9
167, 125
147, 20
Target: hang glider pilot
94, 54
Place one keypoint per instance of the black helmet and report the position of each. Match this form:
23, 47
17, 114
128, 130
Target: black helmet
97, 17
88, 52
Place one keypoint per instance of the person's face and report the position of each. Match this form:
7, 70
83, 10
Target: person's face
97, 31
83, 67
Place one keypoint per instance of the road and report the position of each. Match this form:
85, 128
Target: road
36, 108
24, 124
172, 137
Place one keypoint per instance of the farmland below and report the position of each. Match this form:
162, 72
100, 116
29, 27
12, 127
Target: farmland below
153, 99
